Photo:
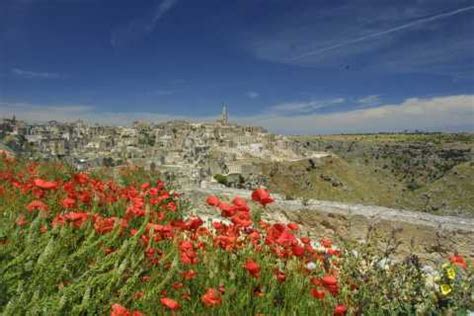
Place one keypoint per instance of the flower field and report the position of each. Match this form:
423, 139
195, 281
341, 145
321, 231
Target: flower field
90, 244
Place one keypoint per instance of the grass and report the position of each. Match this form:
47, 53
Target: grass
92, 244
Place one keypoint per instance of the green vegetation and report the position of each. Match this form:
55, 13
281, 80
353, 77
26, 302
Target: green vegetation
85, 244
423, 172
221, 179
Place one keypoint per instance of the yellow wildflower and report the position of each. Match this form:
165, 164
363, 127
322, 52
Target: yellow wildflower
451, 273
445, 289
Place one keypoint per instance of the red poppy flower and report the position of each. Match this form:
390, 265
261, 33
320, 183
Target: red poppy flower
227, 210
293, 226
21, 220
225, 242
81, 178
458, 260
76, 218
297, 250
242, 219
119, 310
37, 205
262, 196
326, 243
45, 185
239, 201
340, 310
187, 253
193, 223
189, 275
211, 298
329, 280
213, 200
280, 275
169, 303
253, 268
286, 238
68, 203
330, 283
177, 285
153, 255
305, 240
319, 294
104, 225
58, 220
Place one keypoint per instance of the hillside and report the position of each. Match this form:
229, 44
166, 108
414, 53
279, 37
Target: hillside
330, 178
430, 173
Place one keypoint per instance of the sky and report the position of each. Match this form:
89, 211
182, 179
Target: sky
293, 67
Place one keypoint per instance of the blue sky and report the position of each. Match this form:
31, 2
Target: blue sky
291, 66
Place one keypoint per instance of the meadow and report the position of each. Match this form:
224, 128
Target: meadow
96, 244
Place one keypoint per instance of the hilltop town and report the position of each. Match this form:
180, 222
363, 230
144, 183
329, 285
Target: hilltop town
194, 154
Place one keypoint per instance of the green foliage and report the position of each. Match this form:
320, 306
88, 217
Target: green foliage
221, 179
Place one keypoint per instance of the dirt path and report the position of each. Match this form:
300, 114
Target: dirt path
430, 236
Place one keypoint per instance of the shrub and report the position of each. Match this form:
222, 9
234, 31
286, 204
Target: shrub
221, 179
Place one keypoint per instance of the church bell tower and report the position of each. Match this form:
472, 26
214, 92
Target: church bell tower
225, 116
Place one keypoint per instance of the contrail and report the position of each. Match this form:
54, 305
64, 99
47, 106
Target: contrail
392, 30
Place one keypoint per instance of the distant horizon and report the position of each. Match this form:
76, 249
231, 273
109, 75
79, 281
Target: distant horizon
469, 130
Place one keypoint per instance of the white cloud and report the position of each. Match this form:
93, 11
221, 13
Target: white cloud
32, 74
448, 113
252, 94
293, 108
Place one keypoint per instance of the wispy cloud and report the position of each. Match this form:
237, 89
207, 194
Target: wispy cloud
252, 94
142, 26
34, 75
295, 108
447, 113
369, 100
162, 8
384, 32
377, 36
